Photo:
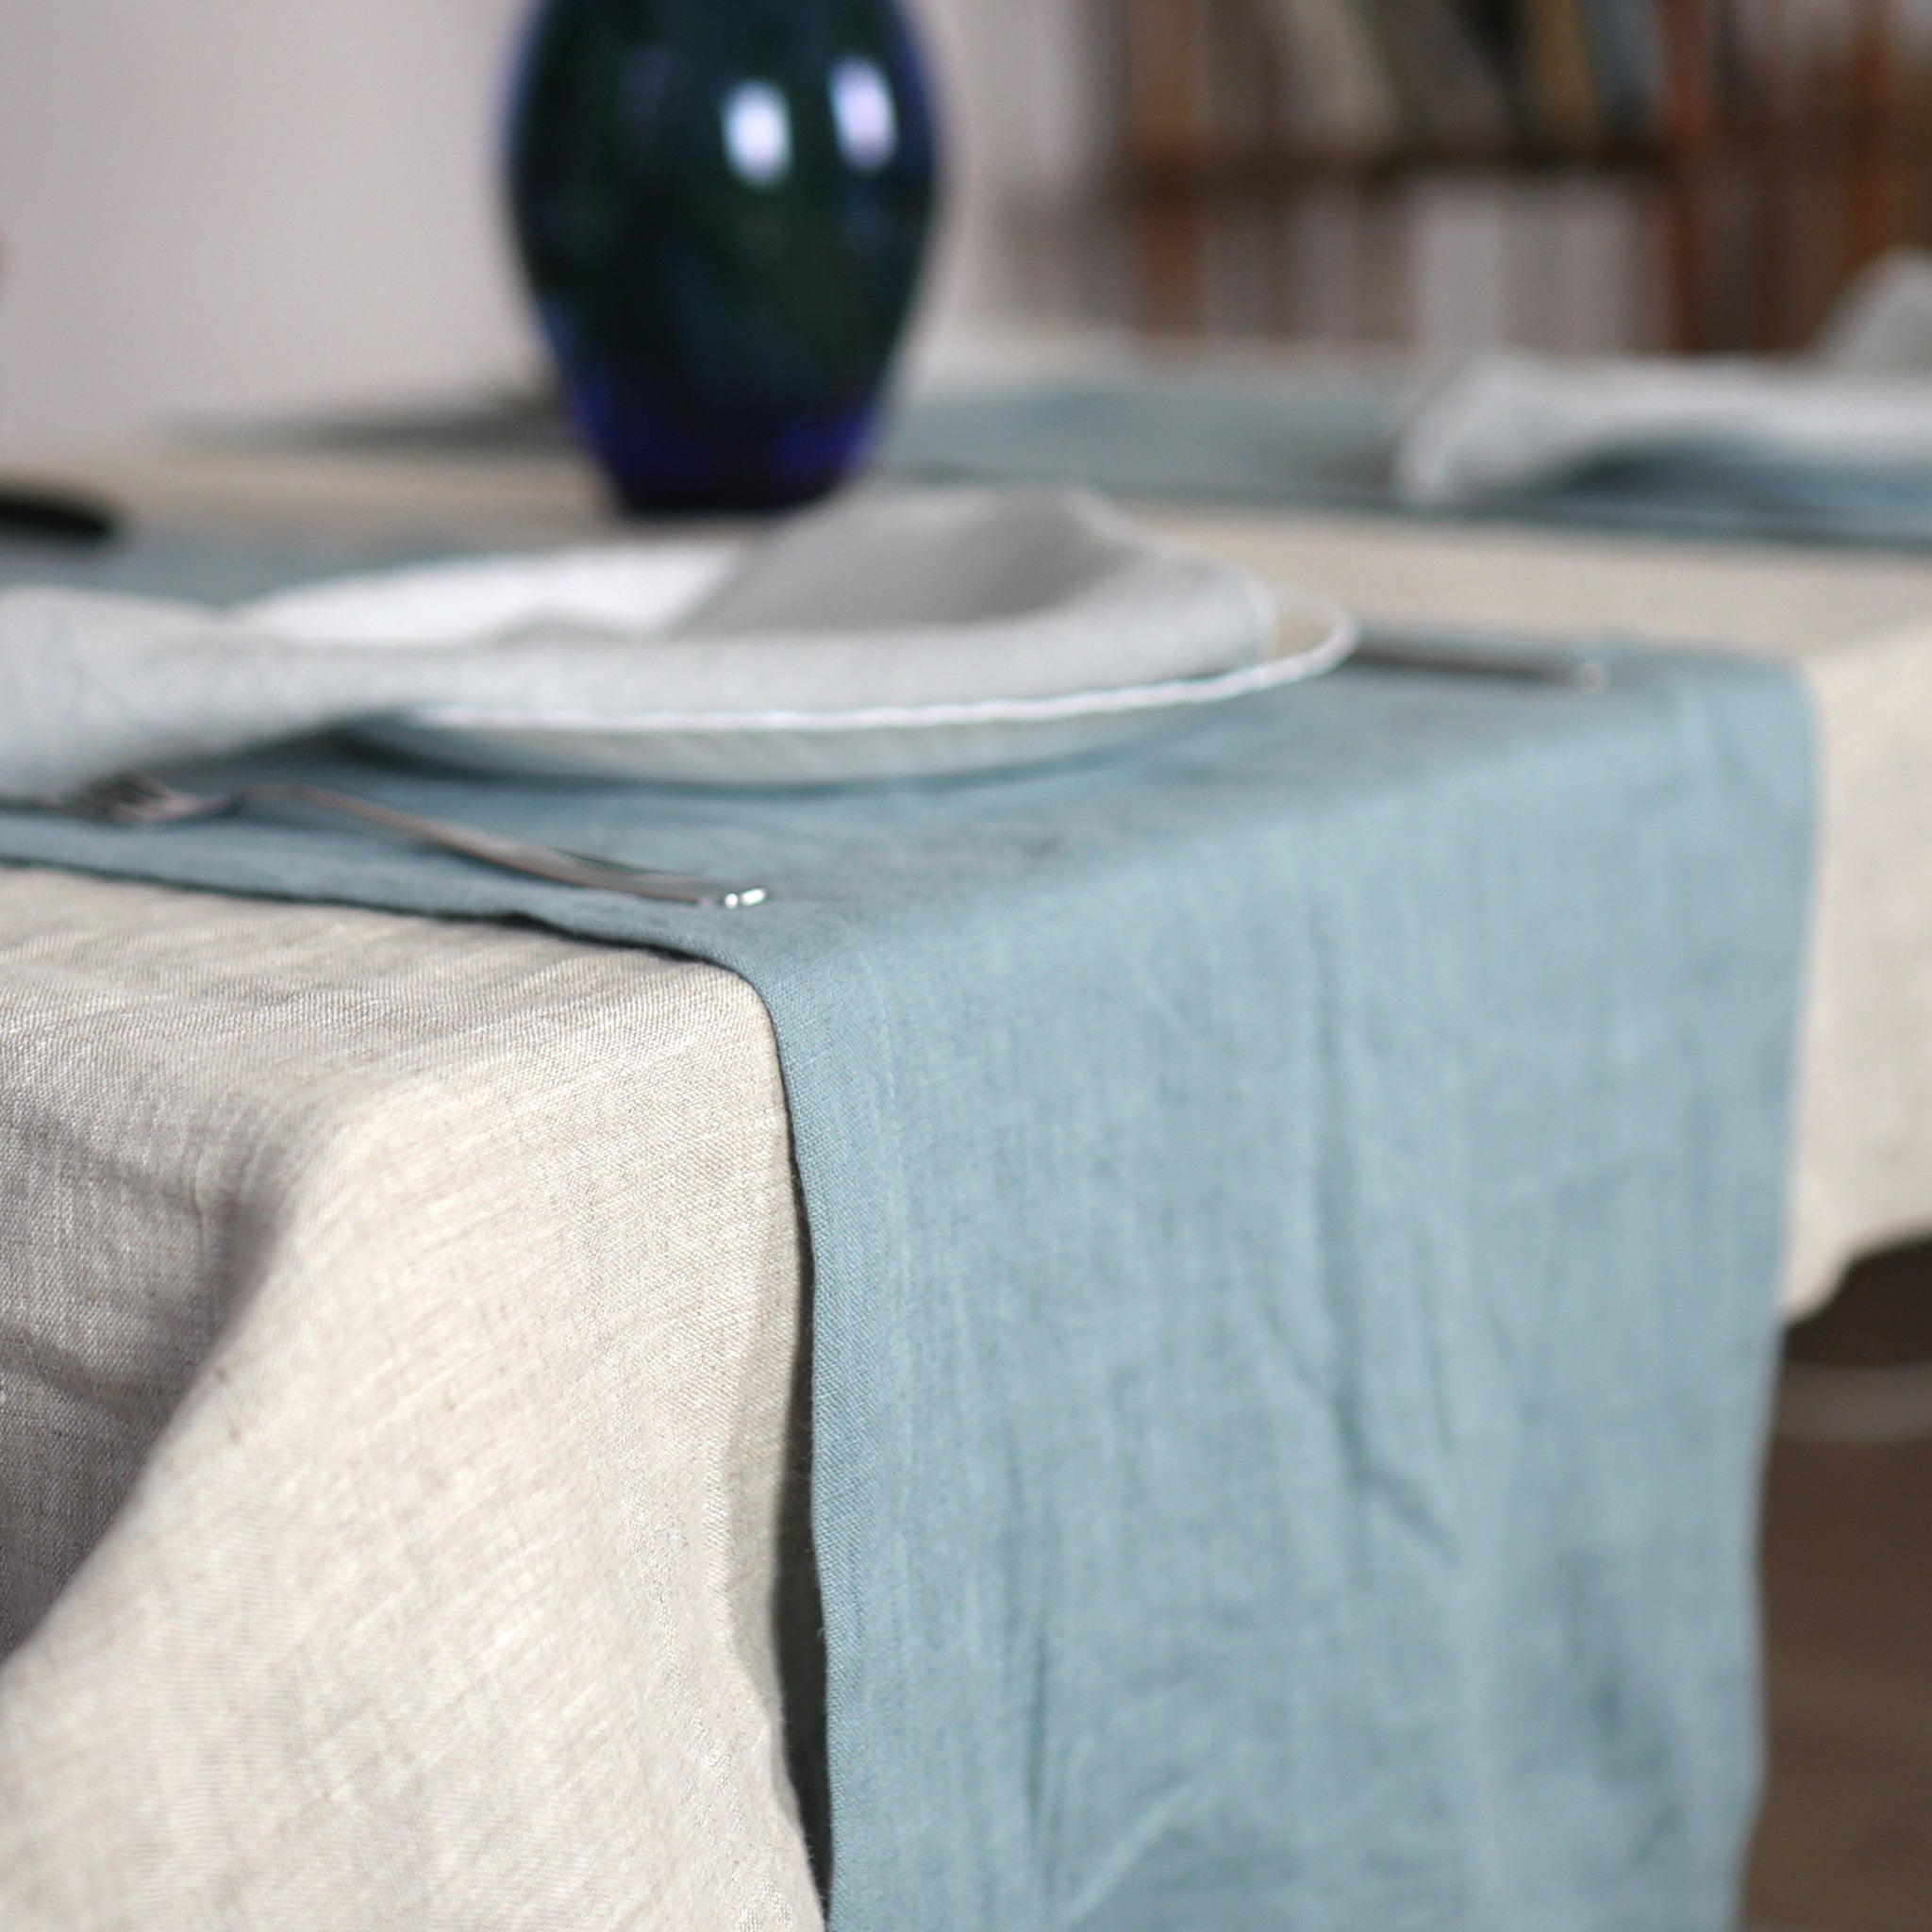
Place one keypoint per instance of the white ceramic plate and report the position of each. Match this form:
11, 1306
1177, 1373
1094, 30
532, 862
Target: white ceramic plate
456, 603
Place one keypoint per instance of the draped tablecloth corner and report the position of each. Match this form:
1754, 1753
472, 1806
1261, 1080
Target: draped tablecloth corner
1295, 1213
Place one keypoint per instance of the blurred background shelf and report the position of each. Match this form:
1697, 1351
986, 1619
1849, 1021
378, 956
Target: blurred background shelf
1737, 163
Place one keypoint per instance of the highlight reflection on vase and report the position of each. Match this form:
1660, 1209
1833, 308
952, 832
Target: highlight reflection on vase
722, 207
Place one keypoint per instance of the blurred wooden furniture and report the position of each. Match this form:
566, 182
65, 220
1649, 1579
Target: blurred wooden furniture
1776, 163
1842, 1841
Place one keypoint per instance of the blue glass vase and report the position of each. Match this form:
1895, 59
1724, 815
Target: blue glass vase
722, 207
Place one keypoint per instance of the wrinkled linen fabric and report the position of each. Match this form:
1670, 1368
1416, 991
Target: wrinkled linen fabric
1814, 453
1837, 446
1836, 436
945, 597
1515, 443
1859, 632
1827, 447
1326, 441
397, 1368
1295, 1216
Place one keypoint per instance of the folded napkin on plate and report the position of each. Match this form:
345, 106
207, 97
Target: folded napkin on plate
947, 597
1839, 426
1509, 424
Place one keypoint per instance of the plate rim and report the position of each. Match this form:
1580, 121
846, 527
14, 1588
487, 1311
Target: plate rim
1339, 638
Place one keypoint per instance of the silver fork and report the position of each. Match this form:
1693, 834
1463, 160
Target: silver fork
136, 799
1527, 665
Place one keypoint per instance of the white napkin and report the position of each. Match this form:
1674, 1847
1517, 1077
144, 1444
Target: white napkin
886, 601
1882, 324
1861, 403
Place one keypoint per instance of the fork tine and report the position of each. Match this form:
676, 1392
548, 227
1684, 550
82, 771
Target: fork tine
138, 784
111, 794
114, 798
135, 798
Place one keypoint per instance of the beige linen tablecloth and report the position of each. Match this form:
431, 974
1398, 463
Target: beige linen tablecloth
412, 1313
405, 1317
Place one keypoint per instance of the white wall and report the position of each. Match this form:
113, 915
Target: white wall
219, 205
1025, 147
210, 205
1568, 264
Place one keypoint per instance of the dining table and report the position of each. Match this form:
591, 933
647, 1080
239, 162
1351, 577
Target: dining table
418, 1528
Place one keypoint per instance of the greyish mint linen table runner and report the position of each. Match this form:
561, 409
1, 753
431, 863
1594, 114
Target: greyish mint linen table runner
1322, 440
1328, 442
1295, 1212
